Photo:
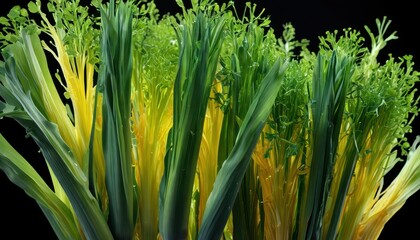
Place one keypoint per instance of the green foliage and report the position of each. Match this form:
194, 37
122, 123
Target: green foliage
306, 138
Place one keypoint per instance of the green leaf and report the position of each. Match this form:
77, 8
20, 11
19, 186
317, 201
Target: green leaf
14, 13
24, 12
32, 7
50, 7
4, 21
21, 173
6, 108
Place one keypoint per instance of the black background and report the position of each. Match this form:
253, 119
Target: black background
21, 218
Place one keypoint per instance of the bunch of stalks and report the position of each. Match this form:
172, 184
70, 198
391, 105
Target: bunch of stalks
205, 124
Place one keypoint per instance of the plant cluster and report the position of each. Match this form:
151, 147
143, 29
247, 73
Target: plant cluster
204, 124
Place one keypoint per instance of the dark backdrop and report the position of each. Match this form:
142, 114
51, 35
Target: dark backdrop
21, 218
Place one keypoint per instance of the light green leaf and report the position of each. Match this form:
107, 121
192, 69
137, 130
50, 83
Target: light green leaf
21, 173
14, 13
32, 7
4, 21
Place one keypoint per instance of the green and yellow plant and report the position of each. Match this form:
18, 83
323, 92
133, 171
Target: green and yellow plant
204, 124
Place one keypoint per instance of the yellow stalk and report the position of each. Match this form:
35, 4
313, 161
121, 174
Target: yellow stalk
98, 164
266, 172
337, 173
78, 83
393, 198
208, 156
76, 72
152, 120
279, 183
366, 184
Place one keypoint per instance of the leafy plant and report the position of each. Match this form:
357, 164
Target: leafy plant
205, 124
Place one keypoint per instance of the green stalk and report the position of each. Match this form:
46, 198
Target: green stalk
352, 151
246, 78
330, 83
230, 176
200, 42
115, 76
250, 60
